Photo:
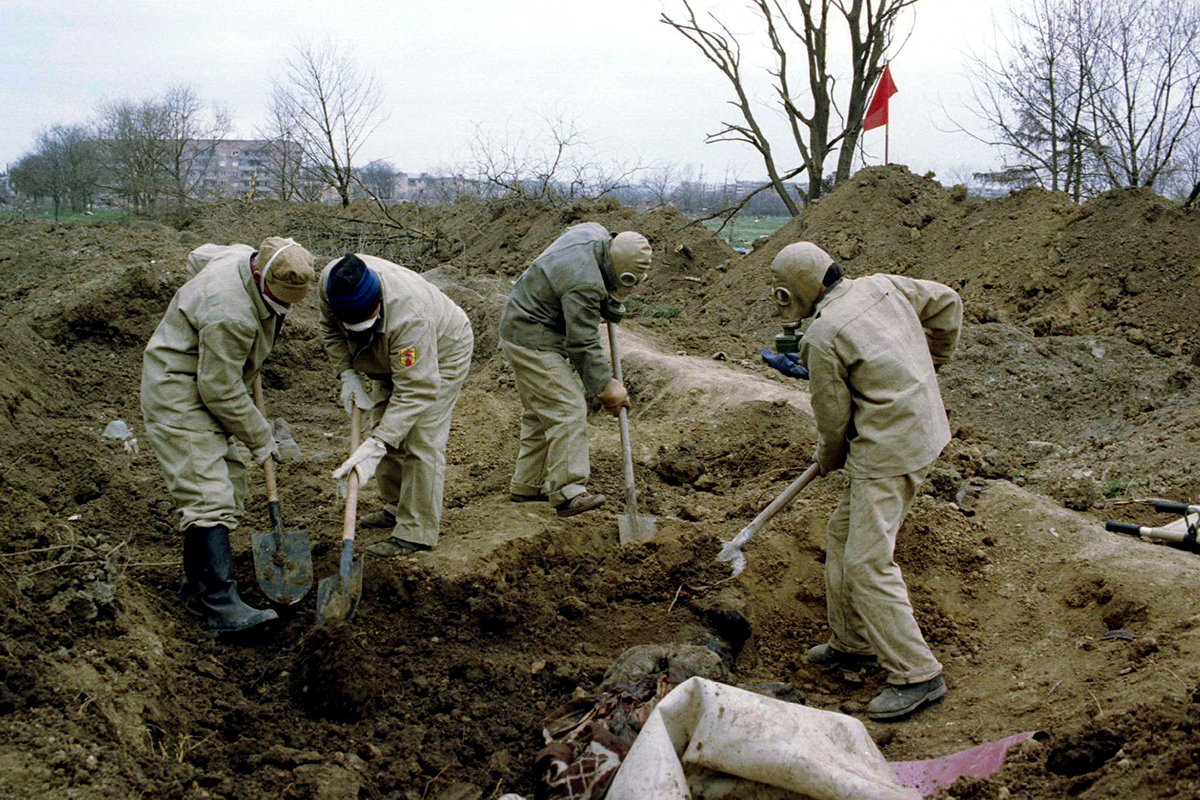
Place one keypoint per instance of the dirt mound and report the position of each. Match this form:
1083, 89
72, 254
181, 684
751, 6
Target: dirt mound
1121, 264
111, 689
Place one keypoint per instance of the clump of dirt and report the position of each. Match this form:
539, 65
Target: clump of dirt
331, 675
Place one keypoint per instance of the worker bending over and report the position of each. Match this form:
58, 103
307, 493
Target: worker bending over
402, 350
550, 333
871, 352
218, 330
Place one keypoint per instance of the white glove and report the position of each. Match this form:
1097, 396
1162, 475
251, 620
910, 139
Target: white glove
261, 454
355, 392
365, 460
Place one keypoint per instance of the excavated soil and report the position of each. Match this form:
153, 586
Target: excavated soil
1070, 397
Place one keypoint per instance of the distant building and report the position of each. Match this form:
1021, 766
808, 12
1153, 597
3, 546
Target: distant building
236, 167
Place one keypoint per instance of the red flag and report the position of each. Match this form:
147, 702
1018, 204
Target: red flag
877, 112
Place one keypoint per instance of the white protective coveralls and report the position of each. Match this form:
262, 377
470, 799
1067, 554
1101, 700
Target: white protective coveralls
210, 344
871, 352
418, 355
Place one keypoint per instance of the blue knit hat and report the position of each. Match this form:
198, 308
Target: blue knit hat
353, 289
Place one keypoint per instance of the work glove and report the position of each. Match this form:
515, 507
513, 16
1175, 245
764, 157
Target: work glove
266, 451
365, 460
355, 391
614, 397
787, 363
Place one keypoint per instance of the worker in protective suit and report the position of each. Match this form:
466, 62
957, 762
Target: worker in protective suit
871, 352
550, 333
218, 330
402, 350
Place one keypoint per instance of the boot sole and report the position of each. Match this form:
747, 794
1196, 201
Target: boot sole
221, 631
929, 699
571, 512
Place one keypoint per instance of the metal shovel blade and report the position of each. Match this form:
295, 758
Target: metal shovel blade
636, 528
282, 561
338, 594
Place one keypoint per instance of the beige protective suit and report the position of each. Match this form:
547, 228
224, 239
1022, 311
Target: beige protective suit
870, 352
212, 341
418, 354
550, 333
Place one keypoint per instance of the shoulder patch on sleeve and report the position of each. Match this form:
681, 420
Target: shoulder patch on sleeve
408, 356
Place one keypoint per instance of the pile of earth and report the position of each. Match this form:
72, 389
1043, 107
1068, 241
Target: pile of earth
111, 689
1120, 264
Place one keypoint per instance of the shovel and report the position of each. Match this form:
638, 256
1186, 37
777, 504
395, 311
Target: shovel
732, 551
282, 558
339, 593
632, 526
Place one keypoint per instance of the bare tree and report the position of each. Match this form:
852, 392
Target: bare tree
1033, 89
188, 140
379, 179
64, 168
130, 132
159, 147
1082, 97
800, 29
557, 167
1146, 100
330, 107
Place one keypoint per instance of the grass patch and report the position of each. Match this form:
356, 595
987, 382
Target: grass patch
636, 307
1117, 487
743, 230
73, 216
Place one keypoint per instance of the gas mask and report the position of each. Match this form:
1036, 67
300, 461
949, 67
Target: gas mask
612, 309
789, 340
630, 254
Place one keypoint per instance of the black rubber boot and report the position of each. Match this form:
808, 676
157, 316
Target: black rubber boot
208, 578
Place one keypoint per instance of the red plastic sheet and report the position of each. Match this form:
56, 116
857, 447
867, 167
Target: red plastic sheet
934, 774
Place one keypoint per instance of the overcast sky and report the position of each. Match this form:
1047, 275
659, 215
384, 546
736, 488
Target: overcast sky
636, 89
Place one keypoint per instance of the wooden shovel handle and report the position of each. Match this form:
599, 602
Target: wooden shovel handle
352, 479
269, 465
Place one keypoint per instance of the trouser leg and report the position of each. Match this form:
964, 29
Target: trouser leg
872, 582
550, 388
423, 461
847, 632
205, 476
390, 470
529, 475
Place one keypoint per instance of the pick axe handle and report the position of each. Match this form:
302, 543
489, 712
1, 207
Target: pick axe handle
780, 502
626, 445
352, 479
269, 466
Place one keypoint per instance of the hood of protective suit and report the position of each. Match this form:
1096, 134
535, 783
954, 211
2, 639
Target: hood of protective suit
797, 275
630, 254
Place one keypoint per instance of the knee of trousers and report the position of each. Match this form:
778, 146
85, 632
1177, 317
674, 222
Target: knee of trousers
859, 578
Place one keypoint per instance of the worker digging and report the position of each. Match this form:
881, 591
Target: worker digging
871, 353
218, 331
550, 333
402, 350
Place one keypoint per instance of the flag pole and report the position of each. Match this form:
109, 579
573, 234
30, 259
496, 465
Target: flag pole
887, 126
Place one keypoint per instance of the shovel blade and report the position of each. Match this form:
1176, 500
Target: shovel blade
283, 564
338, 596
636, 528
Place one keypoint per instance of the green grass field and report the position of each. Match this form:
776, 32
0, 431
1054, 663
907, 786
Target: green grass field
47, 212
743, 230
